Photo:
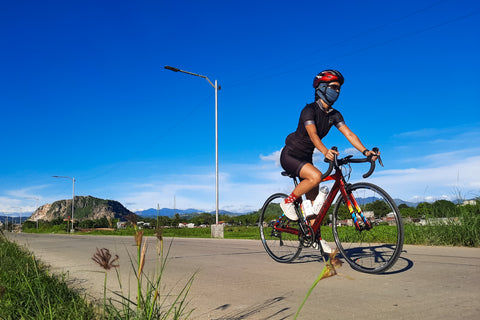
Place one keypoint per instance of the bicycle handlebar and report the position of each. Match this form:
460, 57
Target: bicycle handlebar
331, 164
348, 159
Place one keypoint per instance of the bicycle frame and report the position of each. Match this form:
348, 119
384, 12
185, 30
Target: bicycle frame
339, 186
342, 186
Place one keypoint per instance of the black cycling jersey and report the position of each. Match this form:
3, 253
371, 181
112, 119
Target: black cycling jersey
299, 142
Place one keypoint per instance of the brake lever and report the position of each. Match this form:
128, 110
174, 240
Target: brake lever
335, 159
378, 156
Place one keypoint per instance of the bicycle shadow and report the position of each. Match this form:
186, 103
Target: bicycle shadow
273, 308
377, 254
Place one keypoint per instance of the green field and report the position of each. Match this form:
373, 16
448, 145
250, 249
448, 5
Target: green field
461, 231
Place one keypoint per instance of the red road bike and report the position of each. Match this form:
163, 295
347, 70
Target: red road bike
366, 223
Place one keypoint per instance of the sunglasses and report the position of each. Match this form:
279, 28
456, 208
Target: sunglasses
334, 87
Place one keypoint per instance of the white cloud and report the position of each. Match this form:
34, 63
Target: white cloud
275, 157
22, 200
435, 182
29, 192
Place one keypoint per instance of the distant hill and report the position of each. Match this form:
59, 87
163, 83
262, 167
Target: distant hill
166, 212
86, 207
410, 204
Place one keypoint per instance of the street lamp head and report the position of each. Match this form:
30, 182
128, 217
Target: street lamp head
172, 68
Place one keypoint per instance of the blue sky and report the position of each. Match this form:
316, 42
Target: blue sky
84, 94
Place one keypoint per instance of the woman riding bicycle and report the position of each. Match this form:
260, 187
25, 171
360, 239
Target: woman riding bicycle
316, 119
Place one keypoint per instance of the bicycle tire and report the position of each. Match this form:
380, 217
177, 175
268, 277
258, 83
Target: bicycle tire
375, 250
280, 246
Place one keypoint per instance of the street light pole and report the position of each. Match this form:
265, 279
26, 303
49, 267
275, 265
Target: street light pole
216, 87
73, 197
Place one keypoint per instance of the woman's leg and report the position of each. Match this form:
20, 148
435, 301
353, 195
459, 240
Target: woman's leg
311, 178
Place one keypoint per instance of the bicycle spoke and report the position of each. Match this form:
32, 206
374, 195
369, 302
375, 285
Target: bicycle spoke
367, 249
282, 246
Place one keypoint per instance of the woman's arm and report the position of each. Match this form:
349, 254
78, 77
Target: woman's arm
355, 141
352, 138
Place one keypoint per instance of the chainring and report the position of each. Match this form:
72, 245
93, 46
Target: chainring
306, 235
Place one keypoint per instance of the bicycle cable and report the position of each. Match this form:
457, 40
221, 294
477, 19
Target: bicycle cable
347, 171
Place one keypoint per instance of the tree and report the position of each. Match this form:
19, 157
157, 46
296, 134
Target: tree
29, 224
226, 218
252, 218
444, 208
87, 224
176, 219
101, 223
203, 218
379, 207
424, 209
408, 212
164, 221
343, 212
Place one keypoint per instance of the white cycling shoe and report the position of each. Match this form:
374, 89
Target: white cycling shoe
326, 248
289, 210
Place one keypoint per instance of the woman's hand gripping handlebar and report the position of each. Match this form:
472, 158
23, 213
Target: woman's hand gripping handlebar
331, 164
371, 158
348, 159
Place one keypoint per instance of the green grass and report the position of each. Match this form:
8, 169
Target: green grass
29, 291
461, 231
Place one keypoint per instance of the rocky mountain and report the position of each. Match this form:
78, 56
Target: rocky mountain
86, 207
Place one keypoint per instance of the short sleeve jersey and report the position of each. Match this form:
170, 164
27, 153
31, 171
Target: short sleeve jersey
299, 141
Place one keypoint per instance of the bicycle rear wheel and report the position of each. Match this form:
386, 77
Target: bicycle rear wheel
371, 250
281, 246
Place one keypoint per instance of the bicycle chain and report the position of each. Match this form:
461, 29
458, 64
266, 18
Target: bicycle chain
306, 238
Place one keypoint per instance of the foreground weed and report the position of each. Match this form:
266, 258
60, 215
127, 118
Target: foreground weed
148, 303
104, 259
329, 270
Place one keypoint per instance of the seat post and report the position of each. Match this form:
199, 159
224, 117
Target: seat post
295, 181
294, 177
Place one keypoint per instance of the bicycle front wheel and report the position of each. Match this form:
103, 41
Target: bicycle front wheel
281, 246
374, 248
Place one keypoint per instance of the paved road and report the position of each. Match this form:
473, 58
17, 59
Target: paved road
236, 279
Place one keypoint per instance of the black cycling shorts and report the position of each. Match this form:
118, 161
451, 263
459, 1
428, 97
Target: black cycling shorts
293, 163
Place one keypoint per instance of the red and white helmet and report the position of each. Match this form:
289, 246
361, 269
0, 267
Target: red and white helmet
328, 76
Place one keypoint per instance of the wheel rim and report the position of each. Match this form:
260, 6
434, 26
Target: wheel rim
281, 246
374, 250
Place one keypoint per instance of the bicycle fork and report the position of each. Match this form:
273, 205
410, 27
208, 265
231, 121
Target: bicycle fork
356, 211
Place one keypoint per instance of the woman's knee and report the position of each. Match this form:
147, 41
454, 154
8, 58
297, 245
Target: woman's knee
312, 174
317, 177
